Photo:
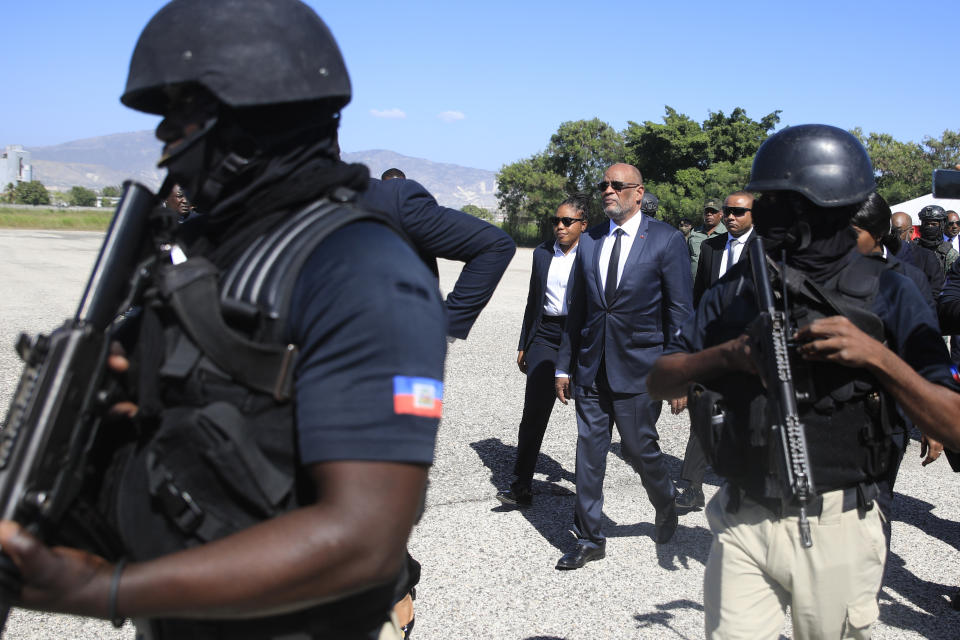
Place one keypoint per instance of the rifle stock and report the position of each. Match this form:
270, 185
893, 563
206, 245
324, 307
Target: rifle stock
788, 437
56, 411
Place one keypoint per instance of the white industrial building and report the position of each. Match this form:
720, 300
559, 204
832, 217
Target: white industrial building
15, 165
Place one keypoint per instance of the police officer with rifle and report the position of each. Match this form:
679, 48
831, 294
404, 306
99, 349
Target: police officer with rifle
278, 384
794, 372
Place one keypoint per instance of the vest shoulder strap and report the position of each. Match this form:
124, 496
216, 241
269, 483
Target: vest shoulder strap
257, 288
262, 280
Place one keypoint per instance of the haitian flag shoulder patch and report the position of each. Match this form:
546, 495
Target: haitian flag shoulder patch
418, 396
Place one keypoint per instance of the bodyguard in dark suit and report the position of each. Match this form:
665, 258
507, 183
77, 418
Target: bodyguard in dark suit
632, 288
543, 323
717, 255
440, 232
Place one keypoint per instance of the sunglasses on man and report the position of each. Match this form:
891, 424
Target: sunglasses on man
616, 185
735, 211
567, 222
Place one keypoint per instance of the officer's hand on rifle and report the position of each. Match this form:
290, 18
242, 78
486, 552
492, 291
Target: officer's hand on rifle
55, 578
743, 354
118, 363
836, 339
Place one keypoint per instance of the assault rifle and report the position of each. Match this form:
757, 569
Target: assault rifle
787, 432
61, 399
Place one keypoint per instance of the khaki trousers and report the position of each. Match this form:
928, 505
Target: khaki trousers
757, 567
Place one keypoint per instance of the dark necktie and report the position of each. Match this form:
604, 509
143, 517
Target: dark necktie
731, 260
610, 286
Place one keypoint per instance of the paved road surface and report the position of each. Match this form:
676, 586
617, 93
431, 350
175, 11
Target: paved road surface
488, 573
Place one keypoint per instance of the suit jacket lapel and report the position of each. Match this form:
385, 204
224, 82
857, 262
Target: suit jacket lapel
639, 242
716, 259
541, 267
595, 257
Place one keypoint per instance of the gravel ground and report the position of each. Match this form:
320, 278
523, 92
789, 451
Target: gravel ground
489, 572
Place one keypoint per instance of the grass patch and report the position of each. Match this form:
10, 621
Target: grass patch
62, 219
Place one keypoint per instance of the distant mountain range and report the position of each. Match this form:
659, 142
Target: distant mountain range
109, 160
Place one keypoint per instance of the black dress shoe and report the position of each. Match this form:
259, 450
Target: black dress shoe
666, 523
690, 499
581, 556
516, 497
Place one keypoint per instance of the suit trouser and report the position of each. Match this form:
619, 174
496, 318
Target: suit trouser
635, 414
694, 461
757, 567
539, 396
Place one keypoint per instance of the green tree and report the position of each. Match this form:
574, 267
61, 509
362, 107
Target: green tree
684, 162
110, 192
945, 152
32, 192
528, 191
661, 150
478, 212
581, 150
737, 136
903, 169
10, 193
82, 197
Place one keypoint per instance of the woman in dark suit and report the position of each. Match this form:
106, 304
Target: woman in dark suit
543, 322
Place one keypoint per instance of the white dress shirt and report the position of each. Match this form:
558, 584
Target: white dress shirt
630, 228
557, 277
737, 250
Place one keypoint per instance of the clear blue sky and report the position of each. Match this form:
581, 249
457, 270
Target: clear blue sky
485, 84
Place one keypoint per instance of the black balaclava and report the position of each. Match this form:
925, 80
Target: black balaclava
931, 236
815, 240
246, 169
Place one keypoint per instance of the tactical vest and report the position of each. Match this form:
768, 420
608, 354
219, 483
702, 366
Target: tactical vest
215, 450
849, 419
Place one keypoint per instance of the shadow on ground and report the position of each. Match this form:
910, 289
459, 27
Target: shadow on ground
662, 619
552, 512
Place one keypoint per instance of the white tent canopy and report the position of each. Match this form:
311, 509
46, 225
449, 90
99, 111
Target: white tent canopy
912, 207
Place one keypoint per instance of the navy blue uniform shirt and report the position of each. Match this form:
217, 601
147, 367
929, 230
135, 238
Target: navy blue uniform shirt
369, 322
911, 327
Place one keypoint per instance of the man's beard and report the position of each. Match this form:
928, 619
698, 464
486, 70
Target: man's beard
616, 213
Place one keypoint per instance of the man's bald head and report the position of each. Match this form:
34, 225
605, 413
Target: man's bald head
902, 225
621, 192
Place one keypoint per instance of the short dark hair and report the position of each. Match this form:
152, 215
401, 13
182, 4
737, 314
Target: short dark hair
685, 221
390, 174
580, 203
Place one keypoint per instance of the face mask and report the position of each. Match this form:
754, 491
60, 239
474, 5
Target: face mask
931, 233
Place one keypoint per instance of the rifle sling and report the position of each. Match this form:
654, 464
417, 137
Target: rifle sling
191, 289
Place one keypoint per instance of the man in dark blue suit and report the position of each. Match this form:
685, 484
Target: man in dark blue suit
440, 232
632, 289
543, 323
717, 255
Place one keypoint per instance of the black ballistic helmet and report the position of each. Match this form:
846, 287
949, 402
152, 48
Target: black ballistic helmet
246, 53
825, 164
933, 212
649, 204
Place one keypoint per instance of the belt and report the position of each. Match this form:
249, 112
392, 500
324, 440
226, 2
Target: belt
546, 318
851, 500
